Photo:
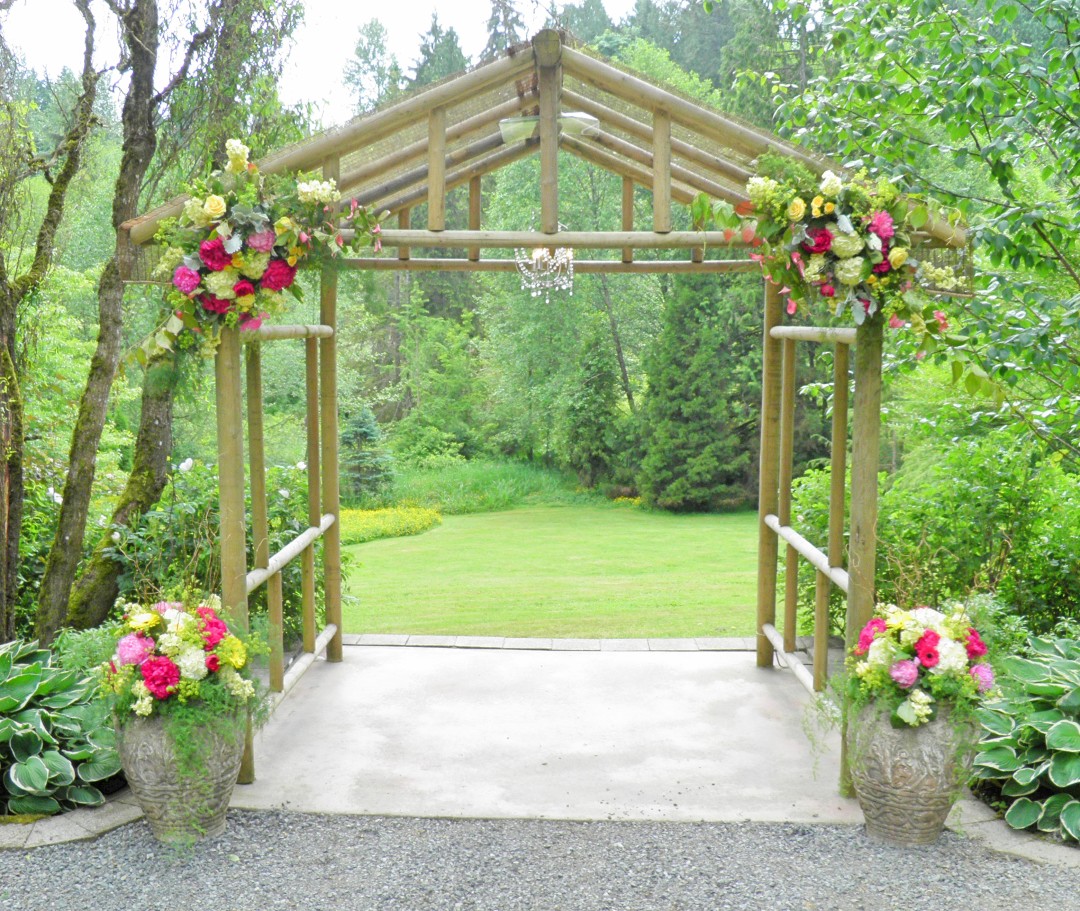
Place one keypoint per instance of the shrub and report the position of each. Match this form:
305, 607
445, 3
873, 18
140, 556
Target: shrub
1030, 752
366, 465
360, 525
56, 736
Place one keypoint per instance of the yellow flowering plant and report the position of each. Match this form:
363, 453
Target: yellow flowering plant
233, 253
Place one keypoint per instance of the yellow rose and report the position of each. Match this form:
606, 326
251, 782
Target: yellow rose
796, 209
897, 257
830, 207
214, 207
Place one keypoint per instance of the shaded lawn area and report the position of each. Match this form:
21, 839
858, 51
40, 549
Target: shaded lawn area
571, 571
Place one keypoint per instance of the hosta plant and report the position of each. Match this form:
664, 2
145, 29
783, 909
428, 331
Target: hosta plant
1031, 746
56, 737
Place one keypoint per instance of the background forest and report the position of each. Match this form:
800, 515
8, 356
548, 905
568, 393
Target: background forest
634, 385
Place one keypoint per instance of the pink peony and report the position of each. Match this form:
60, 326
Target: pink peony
187, 280
976, 648
278, 276
134, 648
984, 676
213, 663
161, 676
818, 241
881, 224
215, 304
211, 626
249, 322
875, 626
244, 288
213, 255
828, 290
905, 673
263, 242
882, 267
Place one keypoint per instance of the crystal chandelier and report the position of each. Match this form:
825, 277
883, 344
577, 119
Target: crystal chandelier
544, 270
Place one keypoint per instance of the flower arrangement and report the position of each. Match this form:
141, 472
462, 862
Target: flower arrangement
847, 241
236, 247
172, 654
915, 660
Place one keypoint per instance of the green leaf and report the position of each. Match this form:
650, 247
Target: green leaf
25, 744
994, 722
61, 771
1001, 758
1070, 702
1024, 670
918, 217
1070, 819
34, 804
31, 776
1050, 819
1064, 736
5, 665
1023, 814
1026, 775
104, 765
1013, 788
1065, 770
82, 795
19, 689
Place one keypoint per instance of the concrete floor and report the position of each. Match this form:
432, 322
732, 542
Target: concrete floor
464, 732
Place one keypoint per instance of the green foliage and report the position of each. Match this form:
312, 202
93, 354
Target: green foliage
590, 411
1030, 750
440, 55
56, 737
360, 525
701, 410
366, 466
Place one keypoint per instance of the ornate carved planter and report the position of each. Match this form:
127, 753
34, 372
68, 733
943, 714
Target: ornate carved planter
184, 798
907, 779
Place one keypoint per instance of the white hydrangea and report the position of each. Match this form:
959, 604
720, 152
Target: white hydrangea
170, 644
952, 657
760, 190
320, 191
831, 184
844, 245
930, 619
814, 267
254, 265
881, 652
192, 663
220, 284
194, 213
238, 156
849, 271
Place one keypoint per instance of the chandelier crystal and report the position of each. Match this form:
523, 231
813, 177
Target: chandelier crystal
544, 270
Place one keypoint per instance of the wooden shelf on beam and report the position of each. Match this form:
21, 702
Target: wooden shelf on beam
589, 266
575, 240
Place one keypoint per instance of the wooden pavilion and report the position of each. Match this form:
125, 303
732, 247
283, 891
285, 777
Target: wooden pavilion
413, 152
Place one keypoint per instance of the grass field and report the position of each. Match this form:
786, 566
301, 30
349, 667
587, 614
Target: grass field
565, 571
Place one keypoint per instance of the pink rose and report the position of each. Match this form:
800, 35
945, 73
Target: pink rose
211, 626
984, 676
263, 242
213, 663
882, 267
213, 255
828, 291
134, 648
249, 322
905, 673
187, 280
881, 224
943, 324
215, 304
818, 241
278, 276
244, 288
875, 626
976, 648
161, 676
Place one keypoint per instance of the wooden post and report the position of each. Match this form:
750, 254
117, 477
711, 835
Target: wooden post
627, 215
475, 201
661, 171
329, 427
307, 565
547, 48
233, 525
768, 472
865, 444
787, 449
404, 222
436, 169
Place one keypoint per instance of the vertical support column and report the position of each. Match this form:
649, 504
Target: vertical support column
627, 215
436, 169
230, 435
260, 525
547, 48
768, 472
838, 486
865, 446
661, 172
329, 424
475, 201
307, 564
404, 222
787, 452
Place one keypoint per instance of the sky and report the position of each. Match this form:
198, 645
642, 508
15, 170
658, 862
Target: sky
49, 35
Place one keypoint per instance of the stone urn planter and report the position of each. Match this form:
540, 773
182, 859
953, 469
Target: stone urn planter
907, 778
184, 792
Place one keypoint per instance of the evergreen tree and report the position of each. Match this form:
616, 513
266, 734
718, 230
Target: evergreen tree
373, 73
589, 411
440, 55
505, 29
701, 410
586, 20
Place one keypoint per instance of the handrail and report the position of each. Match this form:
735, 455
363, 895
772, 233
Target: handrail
813, 555
787, 659
821, 334
288, 553
274, 333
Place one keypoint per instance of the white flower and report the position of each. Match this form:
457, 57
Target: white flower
187, 464
929, 618
831, 185
238, 156
192, 663
814, 267
845, 245
952, 657
301, 466
320, 191
144, 702
283, 493
170, 643
115, 537
849, 271
880, 653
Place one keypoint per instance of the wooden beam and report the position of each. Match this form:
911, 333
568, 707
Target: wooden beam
307, 561
463, 175
547, 47
787, 450
627, 215
587, 151
596, 266
358, 133
726, 169
404, 220
578, 240
463, 130
661, 171
436, 214
475, 201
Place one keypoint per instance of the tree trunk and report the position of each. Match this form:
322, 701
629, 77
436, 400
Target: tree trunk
97, 588
11, 490
140, 33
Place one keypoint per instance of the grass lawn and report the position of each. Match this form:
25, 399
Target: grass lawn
565, 571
